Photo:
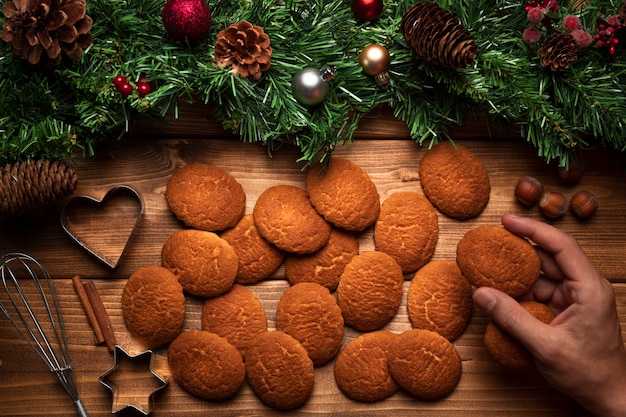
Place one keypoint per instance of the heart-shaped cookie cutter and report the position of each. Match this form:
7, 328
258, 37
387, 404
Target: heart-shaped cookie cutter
111, 260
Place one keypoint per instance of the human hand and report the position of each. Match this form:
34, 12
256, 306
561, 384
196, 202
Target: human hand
581, 352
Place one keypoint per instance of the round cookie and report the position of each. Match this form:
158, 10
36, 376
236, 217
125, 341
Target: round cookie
361, 368
206, 365
425, 364
258, 259
407, 229
370, 290
508, 351
455, 180
153, 306
326, 265
285, 217
237, 316
491, 256
440, 299
204, 263
205, 197
344, 194
279, 370
309, 313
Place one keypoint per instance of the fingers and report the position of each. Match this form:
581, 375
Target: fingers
568, 255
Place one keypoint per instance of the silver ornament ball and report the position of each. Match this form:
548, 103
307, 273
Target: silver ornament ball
309, 87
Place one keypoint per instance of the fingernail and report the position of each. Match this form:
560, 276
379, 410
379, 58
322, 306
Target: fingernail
485, 299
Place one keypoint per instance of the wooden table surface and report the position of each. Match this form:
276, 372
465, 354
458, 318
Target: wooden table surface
384, 151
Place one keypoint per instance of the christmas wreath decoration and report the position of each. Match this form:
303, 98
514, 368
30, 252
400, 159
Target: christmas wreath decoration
74, 74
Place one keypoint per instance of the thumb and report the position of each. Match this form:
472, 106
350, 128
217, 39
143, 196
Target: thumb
511, 317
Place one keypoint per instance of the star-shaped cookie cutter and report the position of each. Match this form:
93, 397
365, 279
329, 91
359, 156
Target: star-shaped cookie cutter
132, 381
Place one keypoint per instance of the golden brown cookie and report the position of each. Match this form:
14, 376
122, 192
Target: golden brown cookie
326, 265
285, 217
407, 229
237, 316
491, 256
258, 259
205, 264
440, 299
308, 313
344, 194
279, 370
206, 365
455, 180
153, 306
425, 364
205, 197
361, 369
508, 351
370, 290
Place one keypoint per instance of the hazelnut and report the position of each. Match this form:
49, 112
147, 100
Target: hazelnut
553, 204
571, 174
583, 204
528, 190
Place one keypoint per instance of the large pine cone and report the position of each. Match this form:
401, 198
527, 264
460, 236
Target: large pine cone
437, 36
558, 51
245, 47
45, 30
30, 186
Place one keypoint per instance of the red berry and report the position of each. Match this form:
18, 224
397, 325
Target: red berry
125, 89
119, 80
143, 88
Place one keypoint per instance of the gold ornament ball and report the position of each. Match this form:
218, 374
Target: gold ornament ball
374, 59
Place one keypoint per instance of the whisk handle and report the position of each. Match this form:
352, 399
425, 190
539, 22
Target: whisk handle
80, 408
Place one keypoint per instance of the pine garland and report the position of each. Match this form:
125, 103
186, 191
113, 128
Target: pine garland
51, 114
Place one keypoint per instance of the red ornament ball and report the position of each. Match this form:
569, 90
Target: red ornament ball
125, 89
144, 88
367, 9
190, 19
119, 80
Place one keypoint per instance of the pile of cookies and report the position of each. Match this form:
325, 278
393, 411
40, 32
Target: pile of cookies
313, 233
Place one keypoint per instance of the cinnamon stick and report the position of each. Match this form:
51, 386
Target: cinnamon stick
101, 315
91, 315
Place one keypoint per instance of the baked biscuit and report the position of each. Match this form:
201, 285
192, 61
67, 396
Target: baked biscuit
285, 217
425, 364
237, 316
440, 299
344, 194
491, 256
407, 229
258, 259
361, 369
508, 351
308, 313
279, 370
326, 265
205, 197
206, 365
370, 290
205, 264
455, 180
153, 306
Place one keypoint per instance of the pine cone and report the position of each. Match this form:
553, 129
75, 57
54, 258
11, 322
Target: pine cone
558, 51
45, 30
437, 36
245, 47
28, 186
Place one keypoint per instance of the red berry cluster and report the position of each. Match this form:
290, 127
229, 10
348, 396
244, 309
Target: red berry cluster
607, 34
125, 88
536, 8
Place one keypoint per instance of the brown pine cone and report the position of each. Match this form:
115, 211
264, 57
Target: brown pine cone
558, 51
437, 36
245, 47
29, 186
45, 30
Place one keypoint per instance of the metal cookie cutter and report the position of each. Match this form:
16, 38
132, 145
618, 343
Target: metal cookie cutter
103, 227
132, 381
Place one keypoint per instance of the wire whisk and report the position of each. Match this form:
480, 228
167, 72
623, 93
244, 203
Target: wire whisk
36, 314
